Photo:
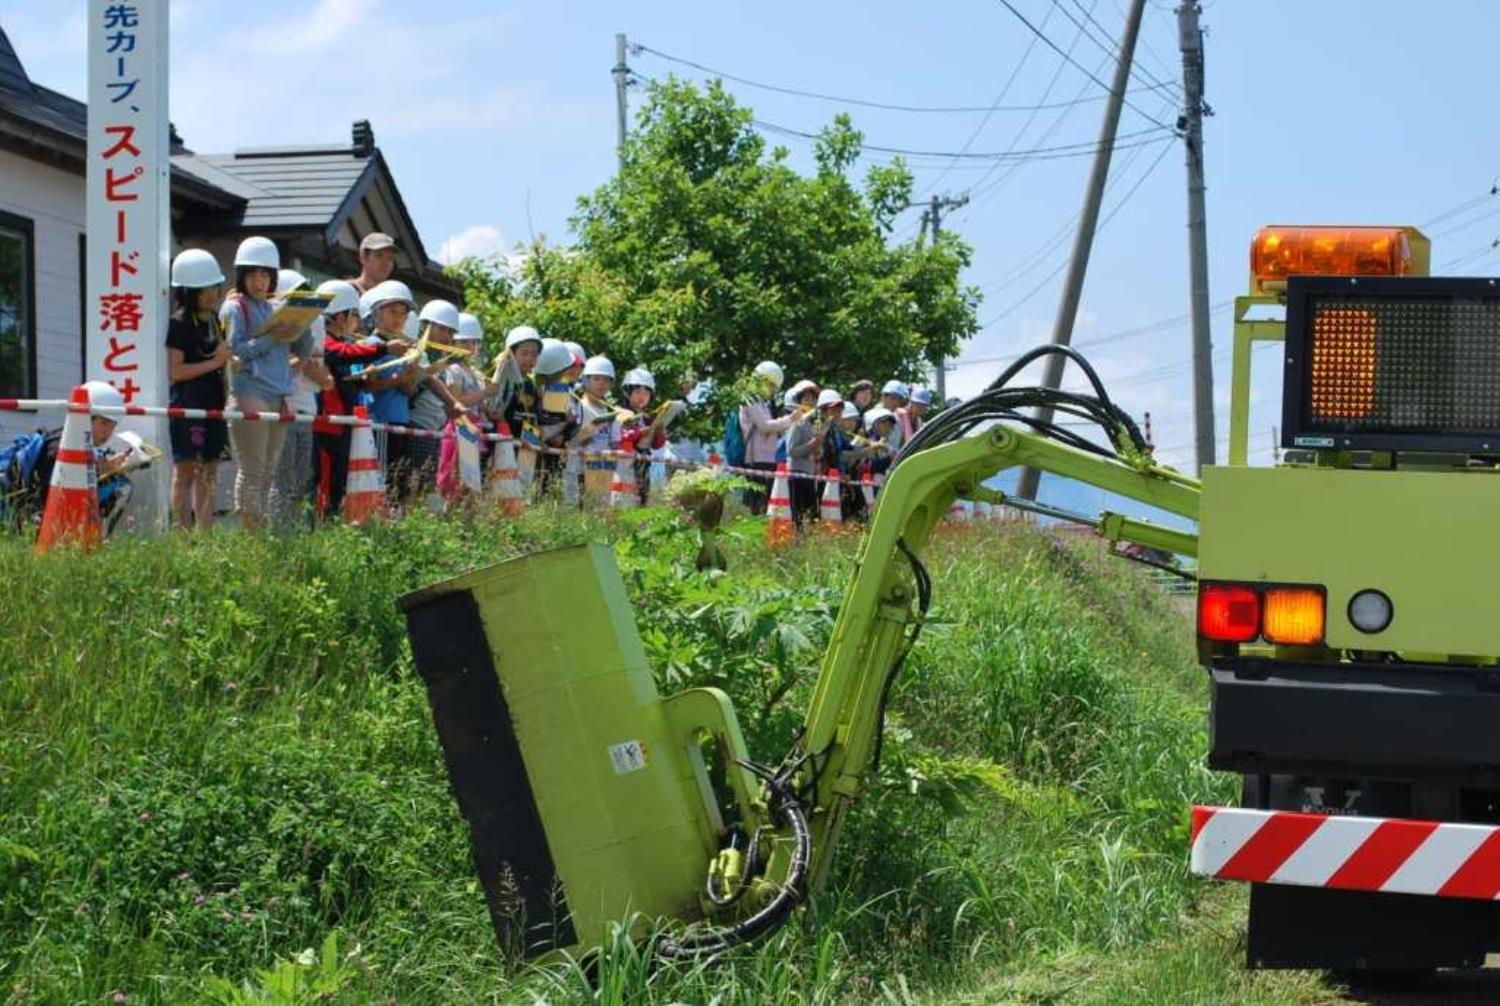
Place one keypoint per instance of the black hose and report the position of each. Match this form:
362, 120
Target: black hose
787, 811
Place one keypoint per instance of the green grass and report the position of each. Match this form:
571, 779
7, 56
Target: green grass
216, 758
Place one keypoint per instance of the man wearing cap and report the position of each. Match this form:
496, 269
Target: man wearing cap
377, 260
910, 418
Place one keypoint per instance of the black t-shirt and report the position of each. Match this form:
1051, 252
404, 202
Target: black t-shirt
197, 339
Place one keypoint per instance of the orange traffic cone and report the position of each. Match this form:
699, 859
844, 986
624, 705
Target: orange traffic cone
780, 532
622, 488
715, 462
72, 510
831, 506
505, 475
364, 494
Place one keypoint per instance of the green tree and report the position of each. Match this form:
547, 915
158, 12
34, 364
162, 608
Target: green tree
708, 252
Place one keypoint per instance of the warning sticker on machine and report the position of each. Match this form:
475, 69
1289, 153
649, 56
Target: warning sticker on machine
628, 756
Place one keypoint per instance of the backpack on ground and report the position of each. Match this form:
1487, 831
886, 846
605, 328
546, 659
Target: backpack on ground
25, 470
734, 440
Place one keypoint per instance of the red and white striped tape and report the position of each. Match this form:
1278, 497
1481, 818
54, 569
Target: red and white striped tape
1392, 855
179, 412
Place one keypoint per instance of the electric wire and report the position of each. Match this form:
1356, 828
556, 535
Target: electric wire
1056, 152
637, 49
1104, 222
1078, 66
1112, 47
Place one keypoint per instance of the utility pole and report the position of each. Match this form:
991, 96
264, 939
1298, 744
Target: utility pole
934, 217
621, 73
1190, 41
1083, 240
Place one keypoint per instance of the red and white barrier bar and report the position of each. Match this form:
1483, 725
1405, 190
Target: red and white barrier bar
1347, 853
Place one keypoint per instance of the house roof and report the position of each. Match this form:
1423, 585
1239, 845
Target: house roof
315, 188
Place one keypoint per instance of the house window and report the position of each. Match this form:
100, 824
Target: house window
17, 309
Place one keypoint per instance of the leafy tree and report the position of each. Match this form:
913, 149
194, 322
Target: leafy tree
708, 253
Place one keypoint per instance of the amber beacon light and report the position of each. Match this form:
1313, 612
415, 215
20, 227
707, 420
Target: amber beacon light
1280, 251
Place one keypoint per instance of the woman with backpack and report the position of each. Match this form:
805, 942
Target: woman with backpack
197, 353
262, 375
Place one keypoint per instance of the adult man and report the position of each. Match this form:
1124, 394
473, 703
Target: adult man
377, 260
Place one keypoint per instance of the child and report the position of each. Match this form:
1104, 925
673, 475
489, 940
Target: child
555, 417
262, 376
635, 432
197, 354
804, 446
344, 354
596, 420
389, 379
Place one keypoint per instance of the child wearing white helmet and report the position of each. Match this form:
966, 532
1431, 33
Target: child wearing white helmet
595, 415
345, 352
390, 378
292, 489
197, 353
432, 402
635, 433
262, 378
555, 417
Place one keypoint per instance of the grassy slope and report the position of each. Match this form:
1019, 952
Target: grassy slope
215, 755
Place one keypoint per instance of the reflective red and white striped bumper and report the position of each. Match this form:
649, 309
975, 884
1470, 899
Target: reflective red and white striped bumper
1349, 853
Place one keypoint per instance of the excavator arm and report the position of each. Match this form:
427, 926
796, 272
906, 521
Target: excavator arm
591, 799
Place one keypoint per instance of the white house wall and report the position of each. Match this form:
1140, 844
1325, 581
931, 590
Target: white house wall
52, 199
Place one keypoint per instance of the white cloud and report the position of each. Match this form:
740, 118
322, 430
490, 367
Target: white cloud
482, 240
332, 24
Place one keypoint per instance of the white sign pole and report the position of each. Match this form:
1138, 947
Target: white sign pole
129, 242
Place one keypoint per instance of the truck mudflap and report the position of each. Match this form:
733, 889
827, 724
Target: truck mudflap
1336, 852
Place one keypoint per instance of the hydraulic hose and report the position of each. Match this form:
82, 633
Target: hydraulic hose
787, 811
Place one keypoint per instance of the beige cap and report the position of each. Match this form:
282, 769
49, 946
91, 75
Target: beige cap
376, 241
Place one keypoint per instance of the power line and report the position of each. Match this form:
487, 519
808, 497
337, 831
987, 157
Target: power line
1123, 335
1462, 207
1016, 306
1004, 90
1112, 48
1075, 64
1086, 149
638, 49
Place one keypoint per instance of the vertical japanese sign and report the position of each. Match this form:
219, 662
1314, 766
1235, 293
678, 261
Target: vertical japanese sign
128, 222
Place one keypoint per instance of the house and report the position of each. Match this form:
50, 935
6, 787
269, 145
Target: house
316, 202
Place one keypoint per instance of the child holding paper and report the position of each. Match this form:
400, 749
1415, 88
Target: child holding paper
262, 376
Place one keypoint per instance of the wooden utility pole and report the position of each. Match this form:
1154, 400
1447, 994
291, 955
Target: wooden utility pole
1083, 240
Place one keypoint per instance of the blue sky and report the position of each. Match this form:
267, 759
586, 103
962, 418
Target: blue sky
496, 116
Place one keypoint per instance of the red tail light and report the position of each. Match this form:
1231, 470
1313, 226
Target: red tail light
1228, 612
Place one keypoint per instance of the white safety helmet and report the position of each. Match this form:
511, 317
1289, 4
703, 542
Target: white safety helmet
288, 280
195, 269
440, 312
921, 396
469, 328
345, 297
789, 400
851, 411
896, 388
599, 366
554, 358
640, 377
802, 387
828, 397
875, 415
390, 290
579, 353
520, 334
102, 394
770, 372
411, 329
259, 252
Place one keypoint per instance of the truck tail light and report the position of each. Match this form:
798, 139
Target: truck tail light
1293, 615
1228, 612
